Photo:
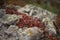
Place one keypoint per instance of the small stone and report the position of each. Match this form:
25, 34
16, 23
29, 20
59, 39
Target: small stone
11, 29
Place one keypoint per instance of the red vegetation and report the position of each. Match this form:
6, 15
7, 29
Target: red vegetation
26, 20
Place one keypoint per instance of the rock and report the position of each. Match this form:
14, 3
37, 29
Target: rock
12, 38
30, 14
29, 33
11, 29
37, 11
9, 19
2, 12
49, 25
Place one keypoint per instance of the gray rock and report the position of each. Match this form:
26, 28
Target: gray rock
29, 33
11, 29
9, 19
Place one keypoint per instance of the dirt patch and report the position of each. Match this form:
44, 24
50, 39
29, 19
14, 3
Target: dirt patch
17, 2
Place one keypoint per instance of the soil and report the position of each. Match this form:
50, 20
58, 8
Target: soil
17, 2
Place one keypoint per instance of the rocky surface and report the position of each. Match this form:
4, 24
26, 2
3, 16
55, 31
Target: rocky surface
10, 31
